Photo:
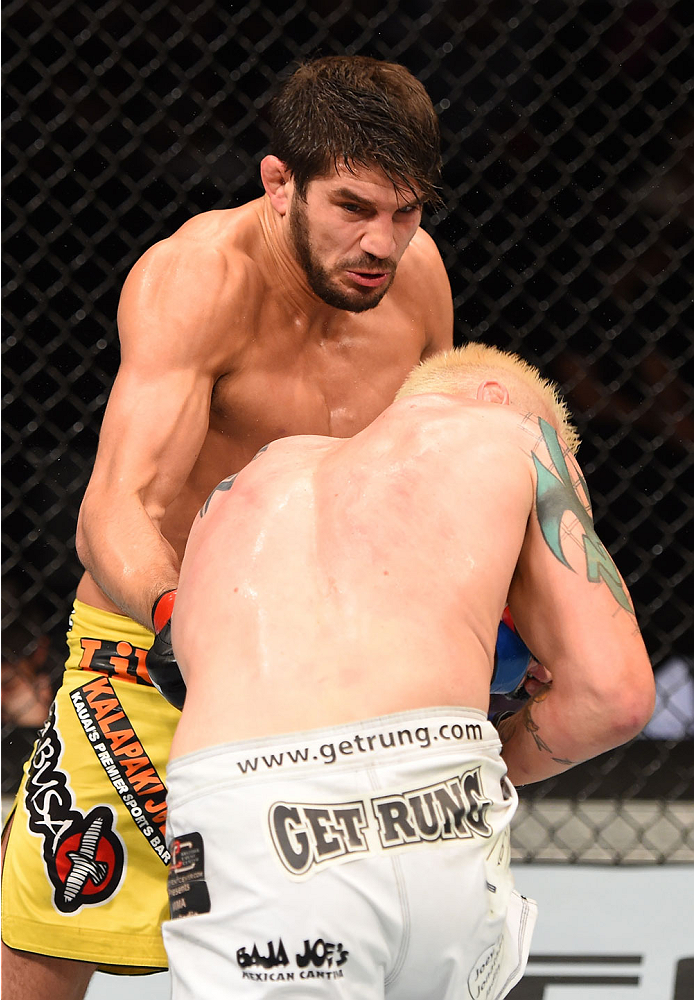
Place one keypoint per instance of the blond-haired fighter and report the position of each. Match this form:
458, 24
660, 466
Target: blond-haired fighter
339, 804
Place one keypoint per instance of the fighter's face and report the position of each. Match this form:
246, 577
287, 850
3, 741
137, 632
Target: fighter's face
350, 233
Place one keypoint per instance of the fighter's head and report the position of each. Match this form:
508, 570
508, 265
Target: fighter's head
479, 371
355, 156
353, 111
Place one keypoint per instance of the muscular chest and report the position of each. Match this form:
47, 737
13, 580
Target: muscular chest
332, 385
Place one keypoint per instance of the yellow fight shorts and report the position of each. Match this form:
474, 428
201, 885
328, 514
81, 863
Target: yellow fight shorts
86, 862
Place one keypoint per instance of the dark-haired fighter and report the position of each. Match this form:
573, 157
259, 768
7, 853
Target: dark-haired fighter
298, 313
338, 803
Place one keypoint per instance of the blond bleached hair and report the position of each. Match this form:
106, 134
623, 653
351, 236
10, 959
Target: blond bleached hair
461, 370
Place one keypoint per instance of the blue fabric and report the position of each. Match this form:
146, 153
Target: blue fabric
511, 661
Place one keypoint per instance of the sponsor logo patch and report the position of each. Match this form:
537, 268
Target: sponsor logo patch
115, 659
307, 836
186, 885
83, 854
315, 959
120, 753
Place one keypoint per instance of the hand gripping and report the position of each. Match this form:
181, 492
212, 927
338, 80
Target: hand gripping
161, 664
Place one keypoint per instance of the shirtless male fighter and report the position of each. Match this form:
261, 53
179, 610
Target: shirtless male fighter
300, 312
339, 805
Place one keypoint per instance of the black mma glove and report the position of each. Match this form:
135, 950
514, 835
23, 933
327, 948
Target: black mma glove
511, 659
161, 664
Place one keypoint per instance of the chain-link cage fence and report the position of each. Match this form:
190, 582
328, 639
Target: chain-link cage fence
566, 231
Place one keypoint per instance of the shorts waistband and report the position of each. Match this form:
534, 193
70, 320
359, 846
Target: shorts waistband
358, 743
107, 643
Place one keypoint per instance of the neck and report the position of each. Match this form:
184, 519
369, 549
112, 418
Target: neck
287, 273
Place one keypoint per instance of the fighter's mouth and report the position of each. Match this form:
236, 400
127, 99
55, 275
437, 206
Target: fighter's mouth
369, 279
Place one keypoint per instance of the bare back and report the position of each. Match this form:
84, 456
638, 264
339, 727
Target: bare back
338, 580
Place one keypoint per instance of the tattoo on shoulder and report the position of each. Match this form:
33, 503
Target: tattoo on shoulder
225, 485
556, 494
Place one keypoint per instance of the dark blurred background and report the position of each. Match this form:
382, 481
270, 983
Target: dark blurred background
567, 233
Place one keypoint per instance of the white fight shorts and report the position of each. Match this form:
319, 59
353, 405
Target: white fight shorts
362, 861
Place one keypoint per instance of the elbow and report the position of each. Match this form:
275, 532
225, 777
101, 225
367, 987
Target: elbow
629, 709
608, 713
635, 710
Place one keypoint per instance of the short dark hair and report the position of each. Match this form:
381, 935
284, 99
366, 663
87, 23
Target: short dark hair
354, 110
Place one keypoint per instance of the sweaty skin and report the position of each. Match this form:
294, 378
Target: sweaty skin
340, 580
226, 347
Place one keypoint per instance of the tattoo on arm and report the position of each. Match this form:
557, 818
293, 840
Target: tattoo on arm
508, 727
556, 494
534, 730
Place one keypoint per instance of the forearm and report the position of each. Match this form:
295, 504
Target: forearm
528, 755
551, 734
124, 551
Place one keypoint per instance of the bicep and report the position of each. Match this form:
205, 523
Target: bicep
574, 612
153, 430
175, 303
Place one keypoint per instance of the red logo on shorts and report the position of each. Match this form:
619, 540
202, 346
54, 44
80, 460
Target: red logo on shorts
88, 862
84, 856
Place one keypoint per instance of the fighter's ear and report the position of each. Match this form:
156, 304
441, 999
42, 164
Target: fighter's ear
492, 391
276, 178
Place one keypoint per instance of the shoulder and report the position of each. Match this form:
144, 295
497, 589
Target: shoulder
459, 419
501, 433
422, 257
424, 246
526, 431
198, 287
473, 466
556, 471
213, 248
424, 288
